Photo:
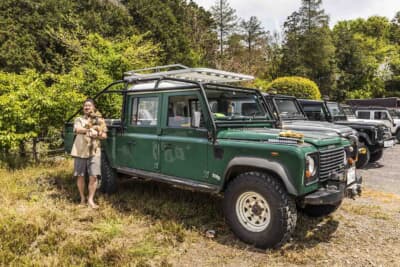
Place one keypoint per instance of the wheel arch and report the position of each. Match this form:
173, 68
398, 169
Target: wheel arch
246, 164
363, 137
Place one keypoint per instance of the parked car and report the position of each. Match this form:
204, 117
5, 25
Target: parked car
208, 136
374, 136
288, 111
390, 117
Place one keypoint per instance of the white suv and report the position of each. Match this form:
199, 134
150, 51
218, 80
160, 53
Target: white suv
387, 116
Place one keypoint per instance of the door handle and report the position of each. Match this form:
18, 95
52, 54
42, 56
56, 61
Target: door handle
132, 143
166, 146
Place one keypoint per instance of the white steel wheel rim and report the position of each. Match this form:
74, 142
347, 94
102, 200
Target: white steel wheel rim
253, 211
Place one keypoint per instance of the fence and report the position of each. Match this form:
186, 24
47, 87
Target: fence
33, 151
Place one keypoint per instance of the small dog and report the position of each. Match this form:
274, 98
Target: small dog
96, 126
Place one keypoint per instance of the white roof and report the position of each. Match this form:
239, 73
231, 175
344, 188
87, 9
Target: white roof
182, 72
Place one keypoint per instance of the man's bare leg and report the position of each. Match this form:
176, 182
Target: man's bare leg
81, 186
92, 190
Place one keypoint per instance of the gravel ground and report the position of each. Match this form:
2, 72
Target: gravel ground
384, 174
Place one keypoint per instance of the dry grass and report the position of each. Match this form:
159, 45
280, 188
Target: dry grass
148, 224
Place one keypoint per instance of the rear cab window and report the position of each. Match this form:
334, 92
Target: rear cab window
363, 115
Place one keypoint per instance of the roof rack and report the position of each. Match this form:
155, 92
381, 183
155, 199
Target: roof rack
179, 71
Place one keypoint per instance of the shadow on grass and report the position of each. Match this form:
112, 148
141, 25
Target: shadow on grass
194, 211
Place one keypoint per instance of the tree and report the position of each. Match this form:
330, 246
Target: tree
364, 57
252, 32
226, 21
45, 35
312, 16
308, 49
203, 39
395, 29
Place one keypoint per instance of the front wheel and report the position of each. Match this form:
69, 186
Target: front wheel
398, 136
259, 211
376, 156
363, 158
320, 210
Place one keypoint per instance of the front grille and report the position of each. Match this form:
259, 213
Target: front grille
384, 133
331, 161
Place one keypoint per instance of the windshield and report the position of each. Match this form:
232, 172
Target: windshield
315, 111
236, 105
348, 111
288, 108
335, 110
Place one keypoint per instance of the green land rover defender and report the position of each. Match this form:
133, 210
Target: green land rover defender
189, 127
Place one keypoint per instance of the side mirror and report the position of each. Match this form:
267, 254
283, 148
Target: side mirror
196, 119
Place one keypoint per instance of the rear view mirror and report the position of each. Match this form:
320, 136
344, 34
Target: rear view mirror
196, 119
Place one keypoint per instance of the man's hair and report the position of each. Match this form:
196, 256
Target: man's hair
90, 101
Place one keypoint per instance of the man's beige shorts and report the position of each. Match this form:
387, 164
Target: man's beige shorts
90, 165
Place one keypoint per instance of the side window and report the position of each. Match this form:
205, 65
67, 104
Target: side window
183, 111
381, 115
144, 111
363, 115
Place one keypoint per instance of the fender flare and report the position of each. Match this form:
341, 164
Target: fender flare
365, 136
271, 166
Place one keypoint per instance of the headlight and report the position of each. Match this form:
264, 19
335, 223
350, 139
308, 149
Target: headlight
311, 168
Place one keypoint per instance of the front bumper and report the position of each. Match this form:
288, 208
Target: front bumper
334, 192
389, 143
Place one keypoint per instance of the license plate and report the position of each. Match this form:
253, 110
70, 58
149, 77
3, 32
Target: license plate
388, 143
351, 175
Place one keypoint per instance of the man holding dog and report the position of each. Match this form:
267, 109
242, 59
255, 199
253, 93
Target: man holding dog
86, 150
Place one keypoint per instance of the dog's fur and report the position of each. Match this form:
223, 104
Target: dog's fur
96, 123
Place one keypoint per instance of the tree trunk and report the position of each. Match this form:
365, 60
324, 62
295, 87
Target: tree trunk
34, 150
22, 151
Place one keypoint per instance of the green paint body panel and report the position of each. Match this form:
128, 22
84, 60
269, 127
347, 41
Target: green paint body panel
190, 153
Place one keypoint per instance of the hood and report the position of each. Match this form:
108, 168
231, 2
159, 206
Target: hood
318, 126
361, 122
264, 134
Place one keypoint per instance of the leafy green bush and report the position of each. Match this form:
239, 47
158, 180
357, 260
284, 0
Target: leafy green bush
295, 86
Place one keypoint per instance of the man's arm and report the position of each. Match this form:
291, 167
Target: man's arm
81, 130
78, 127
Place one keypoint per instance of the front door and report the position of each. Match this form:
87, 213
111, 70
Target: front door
138, 147
184, 146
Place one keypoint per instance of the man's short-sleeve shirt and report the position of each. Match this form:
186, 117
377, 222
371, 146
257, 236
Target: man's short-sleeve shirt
82, 143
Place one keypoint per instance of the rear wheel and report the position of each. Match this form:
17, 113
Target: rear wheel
363, 158
259, 211
376, 156
319, 210
108, 176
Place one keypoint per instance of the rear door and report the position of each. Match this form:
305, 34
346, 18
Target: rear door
183, 147
138, 147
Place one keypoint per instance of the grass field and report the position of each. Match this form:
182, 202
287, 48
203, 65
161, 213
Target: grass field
148, 224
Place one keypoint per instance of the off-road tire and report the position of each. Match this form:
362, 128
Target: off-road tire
319, 210
363, 159
283, 213
376, 156
398, 135
108, 176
